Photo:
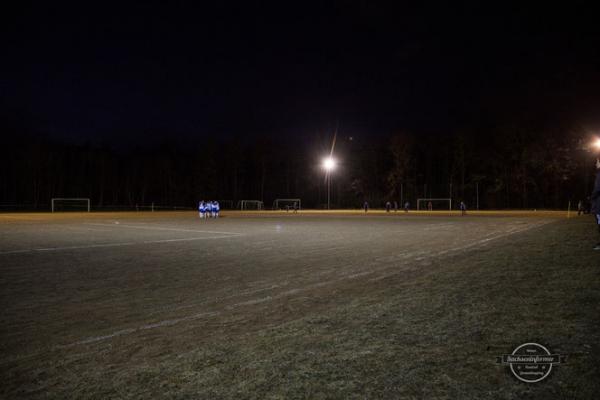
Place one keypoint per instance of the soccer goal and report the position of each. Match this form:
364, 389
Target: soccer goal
434, 204
287, 204
251, 205
70, 204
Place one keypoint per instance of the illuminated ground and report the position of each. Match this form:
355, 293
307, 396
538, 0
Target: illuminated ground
277, 305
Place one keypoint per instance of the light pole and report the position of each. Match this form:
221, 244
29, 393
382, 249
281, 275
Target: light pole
328, 165
477, 191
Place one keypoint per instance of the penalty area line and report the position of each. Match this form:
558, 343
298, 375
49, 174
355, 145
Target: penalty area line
381, 274
121, 244
169, 322
162, 228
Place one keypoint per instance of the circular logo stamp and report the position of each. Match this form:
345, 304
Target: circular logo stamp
531, 362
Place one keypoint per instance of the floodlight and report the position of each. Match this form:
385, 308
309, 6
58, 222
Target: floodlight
328, 164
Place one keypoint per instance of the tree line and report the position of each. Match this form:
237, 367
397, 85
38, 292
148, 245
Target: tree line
497, 168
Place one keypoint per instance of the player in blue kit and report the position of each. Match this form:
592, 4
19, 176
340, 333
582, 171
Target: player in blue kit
209, 209
202, 209
216, 208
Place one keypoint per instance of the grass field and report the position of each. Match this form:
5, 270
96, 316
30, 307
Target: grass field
319, 305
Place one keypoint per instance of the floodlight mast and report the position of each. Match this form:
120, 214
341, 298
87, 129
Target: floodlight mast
329, 165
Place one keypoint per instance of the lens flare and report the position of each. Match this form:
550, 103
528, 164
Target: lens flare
329, 163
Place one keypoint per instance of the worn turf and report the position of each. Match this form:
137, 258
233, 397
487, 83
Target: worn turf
276, 305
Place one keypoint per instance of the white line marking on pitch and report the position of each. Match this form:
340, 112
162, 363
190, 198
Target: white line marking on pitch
217, 299
161, 228
169, 322
291, 292
93, 246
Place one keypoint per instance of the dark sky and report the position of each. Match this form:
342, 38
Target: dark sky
106, 71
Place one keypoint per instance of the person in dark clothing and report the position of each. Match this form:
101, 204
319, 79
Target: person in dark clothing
366, 206
463, 208
595, 198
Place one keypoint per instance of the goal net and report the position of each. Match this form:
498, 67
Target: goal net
434, 204
251, 205
70, 204
287, 204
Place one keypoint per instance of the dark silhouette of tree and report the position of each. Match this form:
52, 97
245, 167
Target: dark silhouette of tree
515, 165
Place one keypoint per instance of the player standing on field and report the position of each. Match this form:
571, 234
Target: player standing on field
201, 209
217, 208
595, 198
208, 209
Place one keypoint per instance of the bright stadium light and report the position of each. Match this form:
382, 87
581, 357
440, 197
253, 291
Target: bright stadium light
596, 144
328, 164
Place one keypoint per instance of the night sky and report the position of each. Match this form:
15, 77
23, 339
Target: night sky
110, 72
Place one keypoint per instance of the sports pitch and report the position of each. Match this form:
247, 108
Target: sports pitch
280, 305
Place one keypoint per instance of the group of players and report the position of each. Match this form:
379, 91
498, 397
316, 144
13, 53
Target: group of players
209, 209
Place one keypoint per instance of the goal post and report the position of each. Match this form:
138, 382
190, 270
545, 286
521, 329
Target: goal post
280, 204
423, 204
251, 205
70, 204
